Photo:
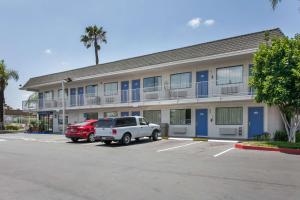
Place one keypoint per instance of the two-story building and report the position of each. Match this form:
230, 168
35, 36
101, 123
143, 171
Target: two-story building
200, 90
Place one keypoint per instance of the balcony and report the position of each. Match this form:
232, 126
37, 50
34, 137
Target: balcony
197, 92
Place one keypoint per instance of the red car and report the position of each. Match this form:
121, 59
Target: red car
84, 130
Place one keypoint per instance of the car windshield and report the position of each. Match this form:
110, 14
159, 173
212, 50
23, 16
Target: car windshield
105, 123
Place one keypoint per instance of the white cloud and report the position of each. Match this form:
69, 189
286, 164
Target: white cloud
195, 23
48, 51
209, 22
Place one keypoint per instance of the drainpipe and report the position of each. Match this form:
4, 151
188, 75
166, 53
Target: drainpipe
63, 105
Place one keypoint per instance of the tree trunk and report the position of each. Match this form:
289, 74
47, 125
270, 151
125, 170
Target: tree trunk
291, 125
1, 109
96, 51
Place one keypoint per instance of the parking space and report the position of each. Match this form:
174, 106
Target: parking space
166, 169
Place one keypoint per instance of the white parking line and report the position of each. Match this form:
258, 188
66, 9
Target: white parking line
223, 152
171, 148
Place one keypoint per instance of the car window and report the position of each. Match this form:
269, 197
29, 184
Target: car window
105, 123
143, 121
125, 121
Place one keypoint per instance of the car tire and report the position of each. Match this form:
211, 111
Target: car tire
74, 139
155, 135
107, 142
91, 138
126, 139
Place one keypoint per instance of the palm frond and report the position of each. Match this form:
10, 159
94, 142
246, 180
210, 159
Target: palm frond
275, 3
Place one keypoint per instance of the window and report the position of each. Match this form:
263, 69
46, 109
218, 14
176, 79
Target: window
60, 93
110, 114
105, 123
143, 121
153, 116
152, 84
182, 80
180, 117
126, 121
91, 90
110, 89
60, 119
48, 95
88, 116
229, 116
230, 75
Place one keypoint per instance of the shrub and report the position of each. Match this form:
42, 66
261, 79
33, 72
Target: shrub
12, 127
298, 136
263, 137
280, 136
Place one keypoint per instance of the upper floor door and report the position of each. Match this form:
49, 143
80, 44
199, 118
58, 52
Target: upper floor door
202, 84
124, 91
80, 96
73, 97
136, 85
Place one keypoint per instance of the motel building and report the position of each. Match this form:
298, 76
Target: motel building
199, 91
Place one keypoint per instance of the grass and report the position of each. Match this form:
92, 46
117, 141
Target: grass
275, 144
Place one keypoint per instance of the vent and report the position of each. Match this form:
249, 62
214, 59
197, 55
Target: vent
179, 130
229, 90
179, 94
231, 131
151, 96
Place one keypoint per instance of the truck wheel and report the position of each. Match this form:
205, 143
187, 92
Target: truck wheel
155, 135
126, 139
91, 138
107, 142
74, 139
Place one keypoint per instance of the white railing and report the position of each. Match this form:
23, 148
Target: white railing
197, 90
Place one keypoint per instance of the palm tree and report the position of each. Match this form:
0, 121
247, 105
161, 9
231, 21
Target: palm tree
5, 76
275, 3
94, 36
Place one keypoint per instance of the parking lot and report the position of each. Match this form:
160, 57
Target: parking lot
51, 167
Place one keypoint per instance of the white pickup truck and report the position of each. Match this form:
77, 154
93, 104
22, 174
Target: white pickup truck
123, 129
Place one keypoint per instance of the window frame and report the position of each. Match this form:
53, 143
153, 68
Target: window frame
190, 119
228, 108
229, 81
111, 94
91, 94
150, 121
189, 85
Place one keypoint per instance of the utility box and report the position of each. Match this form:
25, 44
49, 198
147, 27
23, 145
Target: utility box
164, 129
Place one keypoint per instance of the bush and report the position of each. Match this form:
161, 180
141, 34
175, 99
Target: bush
12, 127
263, 137
280, 136
298, 136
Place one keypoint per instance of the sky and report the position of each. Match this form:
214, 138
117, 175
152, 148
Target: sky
39, 37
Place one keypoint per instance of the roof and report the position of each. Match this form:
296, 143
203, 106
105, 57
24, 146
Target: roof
232, 44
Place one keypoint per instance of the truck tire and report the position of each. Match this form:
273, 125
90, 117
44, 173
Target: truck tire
155, 135
74, 139
126, 139
107, 142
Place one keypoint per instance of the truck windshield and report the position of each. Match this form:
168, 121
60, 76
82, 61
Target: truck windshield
105, 123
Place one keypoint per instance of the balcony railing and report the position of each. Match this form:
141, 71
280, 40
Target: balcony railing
193, 91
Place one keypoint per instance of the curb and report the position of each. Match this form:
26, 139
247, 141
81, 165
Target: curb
282, 150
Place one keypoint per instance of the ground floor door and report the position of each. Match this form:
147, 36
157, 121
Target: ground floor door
255, 121
201, 123
46, 119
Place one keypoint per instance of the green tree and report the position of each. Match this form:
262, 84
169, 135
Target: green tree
276, 78
5, 76
94, 36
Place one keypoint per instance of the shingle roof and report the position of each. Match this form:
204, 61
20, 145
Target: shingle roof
232, 44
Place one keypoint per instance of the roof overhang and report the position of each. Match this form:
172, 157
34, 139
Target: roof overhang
150, 67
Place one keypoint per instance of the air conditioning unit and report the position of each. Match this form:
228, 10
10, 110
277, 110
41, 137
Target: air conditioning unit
229, 90
179, 130
151, 96
179, 94
231, 131
109, 100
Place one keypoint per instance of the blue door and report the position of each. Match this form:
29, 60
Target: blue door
201, 123
135, 113
136, 85
124, 114
80, 96
202, 84
73, 96
255, 121
124, 91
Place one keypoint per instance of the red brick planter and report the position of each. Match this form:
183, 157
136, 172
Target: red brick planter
282, 150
